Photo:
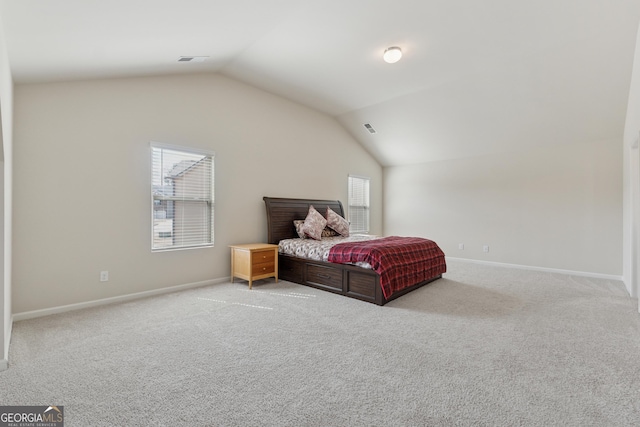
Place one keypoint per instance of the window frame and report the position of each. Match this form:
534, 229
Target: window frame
365, 183
209, 201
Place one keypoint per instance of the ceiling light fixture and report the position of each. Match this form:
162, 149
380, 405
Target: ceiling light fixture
392, 54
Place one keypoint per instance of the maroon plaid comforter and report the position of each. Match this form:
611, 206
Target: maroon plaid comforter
400, 261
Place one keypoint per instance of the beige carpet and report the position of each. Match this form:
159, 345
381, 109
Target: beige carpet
482, 346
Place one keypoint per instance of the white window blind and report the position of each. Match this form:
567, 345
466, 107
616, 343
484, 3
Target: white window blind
358, 204
182, 197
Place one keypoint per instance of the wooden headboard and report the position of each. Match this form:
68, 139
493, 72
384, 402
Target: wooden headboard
281, 213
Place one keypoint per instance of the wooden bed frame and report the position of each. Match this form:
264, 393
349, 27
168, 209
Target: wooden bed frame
349, 280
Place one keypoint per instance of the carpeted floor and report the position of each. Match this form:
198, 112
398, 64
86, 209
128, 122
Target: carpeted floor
482, 346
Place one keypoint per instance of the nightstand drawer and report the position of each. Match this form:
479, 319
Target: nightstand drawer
263, 257
263, 268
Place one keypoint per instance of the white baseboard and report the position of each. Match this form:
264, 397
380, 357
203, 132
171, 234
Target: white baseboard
121, 298
548, 270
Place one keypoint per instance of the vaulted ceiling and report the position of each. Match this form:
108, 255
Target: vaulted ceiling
476, 78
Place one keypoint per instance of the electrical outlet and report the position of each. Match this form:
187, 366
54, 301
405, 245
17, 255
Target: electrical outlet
461, 246
104, 276
485, 248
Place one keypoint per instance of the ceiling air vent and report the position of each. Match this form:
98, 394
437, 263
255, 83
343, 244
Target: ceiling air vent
369, 128
192, 58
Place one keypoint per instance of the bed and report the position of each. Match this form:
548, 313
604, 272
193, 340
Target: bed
349, 279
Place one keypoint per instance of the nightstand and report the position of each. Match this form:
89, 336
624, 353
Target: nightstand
254, 261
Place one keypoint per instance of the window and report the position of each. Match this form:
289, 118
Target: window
182, 197
358, 204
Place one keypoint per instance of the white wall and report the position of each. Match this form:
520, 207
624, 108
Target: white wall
6, 117
632, 181
82, 179
555, 208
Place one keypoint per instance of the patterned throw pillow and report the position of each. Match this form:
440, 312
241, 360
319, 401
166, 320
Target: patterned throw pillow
327, 232
298, 223
314, 223
337, 223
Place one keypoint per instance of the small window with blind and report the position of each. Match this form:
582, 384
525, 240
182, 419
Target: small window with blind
182, 197
358, 204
